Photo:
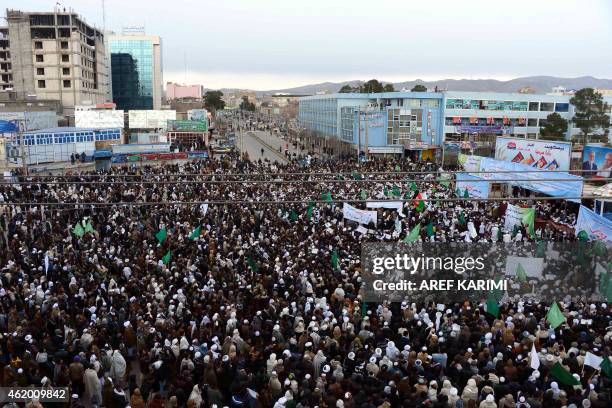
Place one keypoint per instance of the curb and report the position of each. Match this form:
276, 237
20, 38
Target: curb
280, 155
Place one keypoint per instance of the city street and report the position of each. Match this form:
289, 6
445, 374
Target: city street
251, 142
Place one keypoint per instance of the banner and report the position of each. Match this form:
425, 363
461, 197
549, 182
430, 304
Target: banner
393, 205
476, 187
562, 184
360, 216
596, 226
515, 216
539, 154
9, 126
470, 163
597, 160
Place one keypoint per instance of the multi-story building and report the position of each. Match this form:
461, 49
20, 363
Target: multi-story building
424, 120
136, 65
179, 91
53, 55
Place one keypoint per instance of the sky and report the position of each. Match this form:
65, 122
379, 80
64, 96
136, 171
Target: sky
275, 44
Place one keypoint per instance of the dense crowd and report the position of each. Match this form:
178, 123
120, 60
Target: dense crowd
172, 302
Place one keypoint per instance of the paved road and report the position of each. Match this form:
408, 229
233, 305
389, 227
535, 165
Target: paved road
252, 145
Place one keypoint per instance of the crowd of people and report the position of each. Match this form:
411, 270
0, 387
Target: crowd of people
212, 284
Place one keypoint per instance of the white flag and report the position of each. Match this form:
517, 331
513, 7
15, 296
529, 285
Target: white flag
592, 360
535, 359
46, 263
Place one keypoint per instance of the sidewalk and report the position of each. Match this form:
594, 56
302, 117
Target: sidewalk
274, 142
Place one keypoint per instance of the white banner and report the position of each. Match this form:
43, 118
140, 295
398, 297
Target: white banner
596, 226
540, 154
360, 216
514, 216
393, 205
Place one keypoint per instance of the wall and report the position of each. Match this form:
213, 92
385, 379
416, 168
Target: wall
177, 91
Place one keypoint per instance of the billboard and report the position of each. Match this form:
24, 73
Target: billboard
31, 120
150, 119
597, 161
188, 125
197, 114
99, 119
540, 154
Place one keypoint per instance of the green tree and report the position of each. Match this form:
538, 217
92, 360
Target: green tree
213, 100
388, 88
372, 86
247, 105
419, 88
554, 128
346, 89
590, 115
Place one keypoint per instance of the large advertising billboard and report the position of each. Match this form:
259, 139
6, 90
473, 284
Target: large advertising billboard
150, 119
188, 125
596, 161
540, 154
99, 119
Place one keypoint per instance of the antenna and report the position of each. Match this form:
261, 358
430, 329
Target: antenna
185, 62
103, 17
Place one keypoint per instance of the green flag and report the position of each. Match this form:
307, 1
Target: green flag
413, 186
563, 375
364, 310
541, 249
414, 235
583, 236
363, 195
252, 264
462, 218
521, 275
600, 248
528, 220
356, 176
310, 211
429, 229
89, 228
340, 177
466, 193
327, 197
78, 230
166, 258
420, 206
492, 307
162, 235
334, 260
396, 191
458, 192
196, 233
386, 192
554, 316
445, 179
398, 168
293, 216
606, 367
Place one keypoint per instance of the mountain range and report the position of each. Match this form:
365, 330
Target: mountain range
540, 84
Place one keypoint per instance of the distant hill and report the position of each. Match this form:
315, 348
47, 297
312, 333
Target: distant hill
541, 84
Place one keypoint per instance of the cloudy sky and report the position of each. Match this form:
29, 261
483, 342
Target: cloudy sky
272, 44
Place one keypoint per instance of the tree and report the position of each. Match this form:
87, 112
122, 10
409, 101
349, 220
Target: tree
590, 115
419, 88
247, 105
554, 128
372, 86
346, 89
213, 100
388, 88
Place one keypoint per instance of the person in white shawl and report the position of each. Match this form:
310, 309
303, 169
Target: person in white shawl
392, 351
196, 396
271, 363
118, 367
318, 362
93, 388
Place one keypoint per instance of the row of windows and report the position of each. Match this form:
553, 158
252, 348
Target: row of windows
61, 138
477, 104
519, 122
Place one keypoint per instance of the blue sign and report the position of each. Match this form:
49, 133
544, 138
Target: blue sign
497, 130
9, 126
475, 186
596, 226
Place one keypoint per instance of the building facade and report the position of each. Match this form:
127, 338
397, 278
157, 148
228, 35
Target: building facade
53, 55
178, 91
424, 120
136, 66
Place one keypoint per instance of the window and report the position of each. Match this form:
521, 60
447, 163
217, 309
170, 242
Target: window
40, 71
562, 107
41, 84
534, 106
65, 58
546, 107
532, 122
39, 58
65, 71
64, 45
38, 45
66, 83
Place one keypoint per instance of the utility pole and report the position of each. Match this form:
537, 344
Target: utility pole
367, 153
359, 134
